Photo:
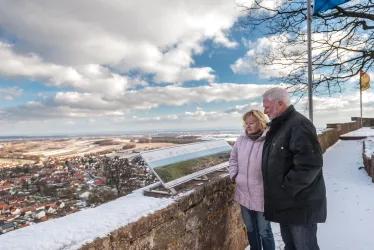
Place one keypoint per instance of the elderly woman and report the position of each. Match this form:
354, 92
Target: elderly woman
245, 171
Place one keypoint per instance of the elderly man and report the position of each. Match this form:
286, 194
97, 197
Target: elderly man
294, 188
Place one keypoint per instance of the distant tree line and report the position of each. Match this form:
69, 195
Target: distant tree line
107, 142
175, 141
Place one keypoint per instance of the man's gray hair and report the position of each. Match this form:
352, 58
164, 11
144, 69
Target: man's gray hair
277, 94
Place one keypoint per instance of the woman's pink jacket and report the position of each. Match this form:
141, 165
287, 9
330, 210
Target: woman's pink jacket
245, 168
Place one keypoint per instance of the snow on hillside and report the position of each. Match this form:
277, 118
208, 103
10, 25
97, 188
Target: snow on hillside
226, 136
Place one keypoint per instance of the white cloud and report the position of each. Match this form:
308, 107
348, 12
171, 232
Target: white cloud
90, 77
176, 95
70, 122
201, 115
100, 53
241, 109
39, 116
126, 35
91, 105
338, 108
274, 56
254, 60
187, 116
9, 94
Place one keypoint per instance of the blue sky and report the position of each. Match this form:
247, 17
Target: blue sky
95, 67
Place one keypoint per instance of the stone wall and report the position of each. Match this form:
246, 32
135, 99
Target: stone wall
368, 159
344, 128
366, 122
328, 138
207, 218
331, 135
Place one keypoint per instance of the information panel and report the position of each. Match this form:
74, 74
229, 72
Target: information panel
176, 165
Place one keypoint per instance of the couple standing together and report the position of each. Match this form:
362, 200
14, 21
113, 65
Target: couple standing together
277, 168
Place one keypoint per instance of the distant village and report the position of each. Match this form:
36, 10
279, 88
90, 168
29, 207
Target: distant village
52, 187
36, 193
57, 186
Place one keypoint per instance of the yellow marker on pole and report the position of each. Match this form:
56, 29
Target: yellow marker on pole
364, 85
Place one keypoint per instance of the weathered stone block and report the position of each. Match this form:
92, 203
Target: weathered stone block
191, 200
216, 201
204, 219
215, 235
187, 241
121, 244
238, 241
234, 218
215, 185
95, 245
144, 243
146, 224
196, 218
169, 233
106, 244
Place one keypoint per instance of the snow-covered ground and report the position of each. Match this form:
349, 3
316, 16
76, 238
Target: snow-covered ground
361, 132
75, 230
350, 201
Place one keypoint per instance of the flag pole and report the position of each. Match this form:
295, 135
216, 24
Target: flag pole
360, 101
310, 83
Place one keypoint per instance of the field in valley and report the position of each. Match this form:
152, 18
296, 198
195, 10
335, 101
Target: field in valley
15, 161
28, 151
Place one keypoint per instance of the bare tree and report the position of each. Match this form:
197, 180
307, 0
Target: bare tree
118, 173
101, 195
25, 185
342, 42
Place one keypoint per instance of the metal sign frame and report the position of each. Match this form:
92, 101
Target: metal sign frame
182, 148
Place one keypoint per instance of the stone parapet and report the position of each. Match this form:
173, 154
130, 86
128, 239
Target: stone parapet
368, 157
207, 218
366, 122
332, 133
344, 128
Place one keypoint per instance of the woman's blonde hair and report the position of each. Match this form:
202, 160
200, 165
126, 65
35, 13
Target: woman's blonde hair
261, 117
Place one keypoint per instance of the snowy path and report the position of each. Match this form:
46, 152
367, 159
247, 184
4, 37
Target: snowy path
350, 201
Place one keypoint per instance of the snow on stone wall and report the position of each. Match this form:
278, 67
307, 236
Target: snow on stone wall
207, 218
75, 230
368, 156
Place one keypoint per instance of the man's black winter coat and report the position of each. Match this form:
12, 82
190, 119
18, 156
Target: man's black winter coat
292, 161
